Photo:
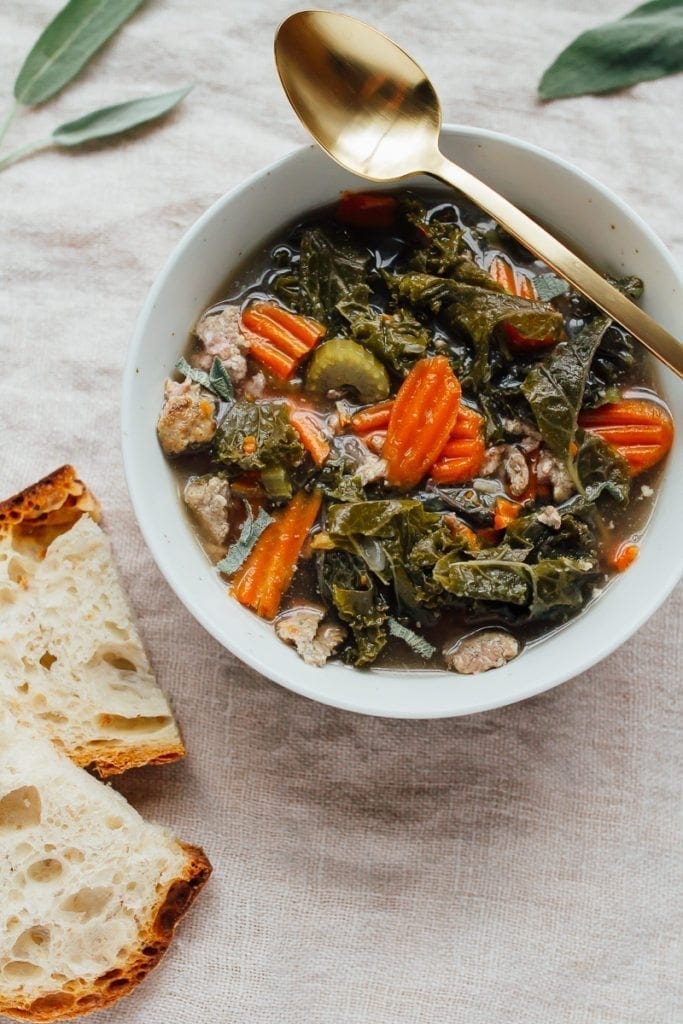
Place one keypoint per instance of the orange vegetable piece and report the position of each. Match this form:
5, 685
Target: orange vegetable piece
462, 455
311, 434
460, 529
372, 417
283, 338
367, 209
520, 343
505, 512
424, 413
268, 571
625, 555
640, 430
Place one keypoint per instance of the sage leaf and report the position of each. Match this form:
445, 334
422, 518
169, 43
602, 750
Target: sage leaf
417, 643
249, 534
647, 43
220, 381
119, 118
67, 44
548, 287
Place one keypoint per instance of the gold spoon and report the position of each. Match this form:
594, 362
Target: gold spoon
372, 108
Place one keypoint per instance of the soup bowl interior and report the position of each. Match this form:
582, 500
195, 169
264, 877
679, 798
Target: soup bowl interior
590, 218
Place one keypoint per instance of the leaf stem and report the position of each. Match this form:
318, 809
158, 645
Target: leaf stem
24, 151
11, 114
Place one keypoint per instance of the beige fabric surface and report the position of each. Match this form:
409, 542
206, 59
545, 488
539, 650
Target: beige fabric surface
517, 867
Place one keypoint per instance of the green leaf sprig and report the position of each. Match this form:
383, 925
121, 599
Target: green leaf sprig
216, 380
417, 643
249, 534
61, 52
646, 43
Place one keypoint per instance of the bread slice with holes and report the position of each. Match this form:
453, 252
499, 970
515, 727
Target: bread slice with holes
91, 893
71, 659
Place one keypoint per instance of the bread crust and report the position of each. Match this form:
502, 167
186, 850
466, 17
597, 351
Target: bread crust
80, 997
35, 517
49, 507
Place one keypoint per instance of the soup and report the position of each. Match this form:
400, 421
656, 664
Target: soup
404, 441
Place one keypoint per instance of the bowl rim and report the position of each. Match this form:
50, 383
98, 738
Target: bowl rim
248, 655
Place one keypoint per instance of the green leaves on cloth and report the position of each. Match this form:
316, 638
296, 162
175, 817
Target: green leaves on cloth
647, 43
117, 119
67, 44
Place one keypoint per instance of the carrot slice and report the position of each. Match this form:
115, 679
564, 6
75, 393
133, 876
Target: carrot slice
280, 339
520, 343
304, 328
272, 358
625, 555
505, 512
268, 571
452, 471
503, 274
526, 289
311, 434
640, 430
425, 411
463, 447
367, 209
469, 423
372, 417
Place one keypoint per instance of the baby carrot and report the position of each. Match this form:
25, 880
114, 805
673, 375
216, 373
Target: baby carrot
267, 573
311, 434
372, 417
424, 413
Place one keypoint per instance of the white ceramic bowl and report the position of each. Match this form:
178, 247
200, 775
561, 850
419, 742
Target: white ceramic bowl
590, 217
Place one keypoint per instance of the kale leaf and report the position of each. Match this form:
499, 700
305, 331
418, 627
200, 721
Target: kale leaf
332, 275
271, 439
550, 588
343, 582
397, 339
478, 311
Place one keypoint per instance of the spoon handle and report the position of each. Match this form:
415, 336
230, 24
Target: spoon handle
655, 338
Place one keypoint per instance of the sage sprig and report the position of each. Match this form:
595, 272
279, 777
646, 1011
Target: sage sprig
417, 643
216, 380
249, 534
71, 39
646, 43
61, 52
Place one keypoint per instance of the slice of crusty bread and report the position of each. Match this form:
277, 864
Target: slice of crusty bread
90, 893
71, 659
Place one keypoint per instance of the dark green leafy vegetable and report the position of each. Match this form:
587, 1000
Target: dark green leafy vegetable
415, 642
546, 589
382, 534
269, 436
249, 534
331, 275
601, 468
344, 582
478, 311
66, 45
442, 248
216, 380
554, 388
397, 339
614, 357
644, 44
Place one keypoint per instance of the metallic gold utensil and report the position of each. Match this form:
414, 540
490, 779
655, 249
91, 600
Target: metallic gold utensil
373, 109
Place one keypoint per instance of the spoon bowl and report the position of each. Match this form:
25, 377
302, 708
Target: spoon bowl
372, 108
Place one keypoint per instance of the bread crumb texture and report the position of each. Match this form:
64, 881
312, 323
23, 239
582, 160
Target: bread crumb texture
71, 661
91, 892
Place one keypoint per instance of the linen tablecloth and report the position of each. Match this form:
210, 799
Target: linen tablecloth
517, 867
